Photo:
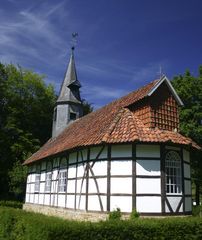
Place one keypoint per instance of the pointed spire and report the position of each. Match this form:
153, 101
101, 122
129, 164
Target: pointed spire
70, 82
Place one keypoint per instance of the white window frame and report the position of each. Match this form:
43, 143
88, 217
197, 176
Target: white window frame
173, 173
48, 181
37, 182
62, 181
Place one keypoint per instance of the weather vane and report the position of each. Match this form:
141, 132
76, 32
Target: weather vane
74, 39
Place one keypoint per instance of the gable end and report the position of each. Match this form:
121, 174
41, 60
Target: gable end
175, 95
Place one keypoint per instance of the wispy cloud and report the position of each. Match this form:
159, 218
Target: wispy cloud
101, 95
101, 92
150, 71
28, 31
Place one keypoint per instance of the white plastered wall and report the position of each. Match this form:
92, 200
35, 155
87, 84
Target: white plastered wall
188, 204
174, 203
121, 151
143, 150
61, 200
122, 202
148, 204
94, 151
149, 181
121, 178
148, 167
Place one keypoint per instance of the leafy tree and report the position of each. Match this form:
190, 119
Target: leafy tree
189, 88
26, 106
87, 107
17, 183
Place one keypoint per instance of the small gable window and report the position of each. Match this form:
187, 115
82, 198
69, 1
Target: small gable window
173, 173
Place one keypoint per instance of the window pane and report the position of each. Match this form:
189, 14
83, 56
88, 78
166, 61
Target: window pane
62, 185
173, 172
48, 182
37, 183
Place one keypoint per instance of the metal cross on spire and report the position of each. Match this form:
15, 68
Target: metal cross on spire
74, 40
160, 73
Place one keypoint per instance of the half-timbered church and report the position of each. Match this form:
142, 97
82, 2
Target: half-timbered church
128, 154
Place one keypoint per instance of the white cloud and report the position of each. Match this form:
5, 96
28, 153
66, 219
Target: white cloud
149, 72
100, 92
30, 33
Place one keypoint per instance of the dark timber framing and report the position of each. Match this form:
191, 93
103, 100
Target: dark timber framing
108, 177
40, 197
75, 199
133, 176
67, 163
87, 177
182, 177
162, 167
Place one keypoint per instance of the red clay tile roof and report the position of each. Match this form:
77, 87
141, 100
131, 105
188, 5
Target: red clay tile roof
113, 123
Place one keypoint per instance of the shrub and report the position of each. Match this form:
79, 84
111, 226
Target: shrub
134, 214
115, 214
13, 204
16, 224
197, 211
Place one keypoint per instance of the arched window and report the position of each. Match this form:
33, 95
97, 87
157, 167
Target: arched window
48, 177
173, 173
37, 179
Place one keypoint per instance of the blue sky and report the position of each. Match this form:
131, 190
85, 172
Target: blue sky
121, 44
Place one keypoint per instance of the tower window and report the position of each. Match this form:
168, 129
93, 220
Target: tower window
55, 114
173, 173
72, 116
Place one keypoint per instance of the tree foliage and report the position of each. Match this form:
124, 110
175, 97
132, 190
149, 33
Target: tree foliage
189, 88
26, 106
87, 107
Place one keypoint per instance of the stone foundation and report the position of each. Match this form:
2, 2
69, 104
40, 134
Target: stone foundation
65, 213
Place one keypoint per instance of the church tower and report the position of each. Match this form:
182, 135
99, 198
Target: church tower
68, 106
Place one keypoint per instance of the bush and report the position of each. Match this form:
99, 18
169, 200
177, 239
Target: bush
115, 214
134, 214
13, 204
16, 224
197, 211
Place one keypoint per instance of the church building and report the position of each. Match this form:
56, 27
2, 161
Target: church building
128, 154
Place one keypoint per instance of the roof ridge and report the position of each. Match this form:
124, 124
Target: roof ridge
112, 125
132, 124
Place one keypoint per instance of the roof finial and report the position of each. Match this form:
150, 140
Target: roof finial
160, 73
74, 40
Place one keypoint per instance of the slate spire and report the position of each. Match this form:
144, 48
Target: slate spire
69, 90
68, 105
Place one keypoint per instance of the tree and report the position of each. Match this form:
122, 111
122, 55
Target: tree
18, 177
26, 106
87, 107
189, 88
